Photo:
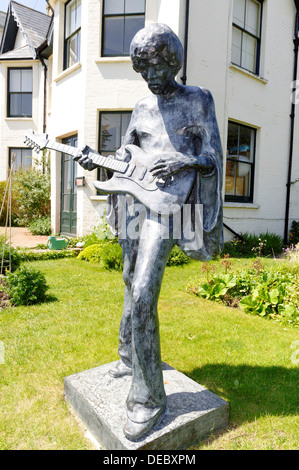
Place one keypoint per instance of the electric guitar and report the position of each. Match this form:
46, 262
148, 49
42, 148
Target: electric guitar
160, 195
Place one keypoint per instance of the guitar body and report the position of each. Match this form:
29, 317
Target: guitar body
162, 196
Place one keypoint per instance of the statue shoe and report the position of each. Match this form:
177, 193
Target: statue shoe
120, 370
135, 431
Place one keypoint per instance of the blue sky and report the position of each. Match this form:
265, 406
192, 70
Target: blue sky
39, 5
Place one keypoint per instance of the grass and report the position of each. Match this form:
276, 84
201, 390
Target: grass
244, 359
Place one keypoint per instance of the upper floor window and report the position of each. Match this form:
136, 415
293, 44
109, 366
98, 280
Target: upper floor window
19, 99
113, 127
72, 33
246, 38
240, 162
21, 158
121, 21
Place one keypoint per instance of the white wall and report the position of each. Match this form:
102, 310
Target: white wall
96, 84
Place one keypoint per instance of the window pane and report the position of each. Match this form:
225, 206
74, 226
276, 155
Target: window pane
26, 158
236, 46
248, 60
114, 7
113, 127
233, 139
26, 80
239, 12
14, 80
15, 108
126, 117
110, 132
73, 17
240, 163
113, 36
252, 21
27, 104
16, 158
73, 50
132, 25
135, 6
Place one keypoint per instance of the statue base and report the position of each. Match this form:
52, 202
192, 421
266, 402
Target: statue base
192, 413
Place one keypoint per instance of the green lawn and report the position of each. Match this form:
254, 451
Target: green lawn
243, 359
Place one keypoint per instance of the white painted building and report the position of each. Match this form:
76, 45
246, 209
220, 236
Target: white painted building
241, 50
23, 55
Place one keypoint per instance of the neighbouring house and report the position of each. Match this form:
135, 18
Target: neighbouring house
243, 51
24, 50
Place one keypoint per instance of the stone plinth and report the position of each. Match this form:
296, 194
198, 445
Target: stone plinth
192, 412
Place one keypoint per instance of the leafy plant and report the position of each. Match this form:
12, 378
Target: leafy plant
26, 286
177, 257
41, 226
271, 293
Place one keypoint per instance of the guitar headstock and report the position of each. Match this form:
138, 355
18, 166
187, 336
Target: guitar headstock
36, 141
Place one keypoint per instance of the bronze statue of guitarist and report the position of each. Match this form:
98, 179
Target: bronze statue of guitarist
176, 125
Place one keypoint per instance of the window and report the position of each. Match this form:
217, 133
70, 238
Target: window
22, 158
113, 127
246, 38
72, 33
240, 163
19, 100
121, 21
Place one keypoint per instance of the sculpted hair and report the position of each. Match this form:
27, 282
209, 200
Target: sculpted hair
157, 39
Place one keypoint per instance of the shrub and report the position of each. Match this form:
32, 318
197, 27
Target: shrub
33, 190
91, 253
112, 256
33, 255
26, 286
265, 244
41, 226
177, 257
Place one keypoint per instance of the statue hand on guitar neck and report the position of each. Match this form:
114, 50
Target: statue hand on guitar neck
84, 160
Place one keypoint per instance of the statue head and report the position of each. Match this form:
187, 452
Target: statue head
156, 46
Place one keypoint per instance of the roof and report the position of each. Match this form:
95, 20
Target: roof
33, 24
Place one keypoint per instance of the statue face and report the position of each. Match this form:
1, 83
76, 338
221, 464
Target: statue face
158, 74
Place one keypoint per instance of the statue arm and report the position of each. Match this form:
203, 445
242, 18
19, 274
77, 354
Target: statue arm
206, 140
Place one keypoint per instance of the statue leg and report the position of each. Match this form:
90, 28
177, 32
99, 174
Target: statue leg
147, 399
124, 365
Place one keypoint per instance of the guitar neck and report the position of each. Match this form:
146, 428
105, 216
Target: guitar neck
97, 159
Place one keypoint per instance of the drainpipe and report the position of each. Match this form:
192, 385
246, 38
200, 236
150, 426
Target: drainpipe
184, 77
45, 94
292, 116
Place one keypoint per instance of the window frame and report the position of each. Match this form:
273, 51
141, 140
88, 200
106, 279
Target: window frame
100, 149
257, 38
9, 93
242, 199
11, 150
116, 15
66, 40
